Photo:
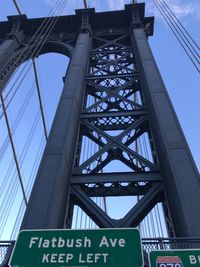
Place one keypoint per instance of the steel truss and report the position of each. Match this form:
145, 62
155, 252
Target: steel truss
114, 121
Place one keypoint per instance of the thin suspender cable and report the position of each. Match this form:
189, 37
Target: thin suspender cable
29, 186
160, 221
16, 90
17, 7
16, 121
10, 135
37, 41
162, 13
14, 188
35, 165
40, 99
76, 222
29, 47
5, 182
85, 3
152, 224
8, 206
14, 152
21, 159
32, 38
156, 216
81, 219
181, 25
179, 31
37, 83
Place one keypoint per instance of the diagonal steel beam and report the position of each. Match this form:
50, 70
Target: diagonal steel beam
112, 93
91, 209
94, 138
101, 89
111, 63
143, 206
99, 167
118, 143
137, 134
133, 166
106, 147
107, 42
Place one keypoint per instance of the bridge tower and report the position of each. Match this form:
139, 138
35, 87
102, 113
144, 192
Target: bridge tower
113, 95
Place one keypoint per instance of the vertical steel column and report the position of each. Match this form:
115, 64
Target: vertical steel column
181, 177
47, 204
7, 49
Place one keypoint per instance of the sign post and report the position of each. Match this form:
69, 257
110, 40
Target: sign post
175, 258
78, 248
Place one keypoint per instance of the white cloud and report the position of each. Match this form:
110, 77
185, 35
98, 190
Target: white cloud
179, 8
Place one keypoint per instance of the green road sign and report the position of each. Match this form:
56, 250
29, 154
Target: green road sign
78, 248
175, 258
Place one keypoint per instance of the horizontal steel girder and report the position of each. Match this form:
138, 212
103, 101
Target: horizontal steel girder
131, 219
116, 177
115, 190
98, 115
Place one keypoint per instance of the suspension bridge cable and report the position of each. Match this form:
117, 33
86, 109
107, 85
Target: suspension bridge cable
157, 222
85, 3
39, 38
176, 34
30, 47
17, 7
14, 151
39, 95
37, 85
14, 188
16, 121
23, 155
27, 62
45, 35
6, 181
182, 26
9, 202
37, 50
29, 186
40, 99
17, 88
168, 12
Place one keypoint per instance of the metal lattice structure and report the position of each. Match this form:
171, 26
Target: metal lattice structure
114, 97
114, 121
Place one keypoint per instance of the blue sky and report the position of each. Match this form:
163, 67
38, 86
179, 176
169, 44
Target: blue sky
181, 78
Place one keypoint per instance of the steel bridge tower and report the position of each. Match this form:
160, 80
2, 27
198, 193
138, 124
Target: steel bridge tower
113, 94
